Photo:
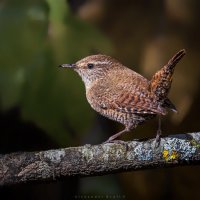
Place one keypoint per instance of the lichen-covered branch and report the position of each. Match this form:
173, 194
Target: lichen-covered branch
94, 160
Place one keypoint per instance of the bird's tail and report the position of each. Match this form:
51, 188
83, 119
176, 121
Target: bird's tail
161, 82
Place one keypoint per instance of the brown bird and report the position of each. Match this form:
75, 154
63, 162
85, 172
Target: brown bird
123, 95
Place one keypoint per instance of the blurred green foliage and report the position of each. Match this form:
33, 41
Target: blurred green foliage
36, 36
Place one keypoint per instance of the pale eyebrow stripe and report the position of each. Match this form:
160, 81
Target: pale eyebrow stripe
102, 62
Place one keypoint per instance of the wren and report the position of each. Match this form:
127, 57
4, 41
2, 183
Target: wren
123, 95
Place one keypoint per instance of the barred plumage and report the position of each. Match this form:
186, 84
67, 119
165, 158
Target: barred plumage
123, 95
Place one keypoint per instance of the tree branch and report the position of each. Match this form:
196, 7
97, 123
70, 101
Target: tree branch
94, 160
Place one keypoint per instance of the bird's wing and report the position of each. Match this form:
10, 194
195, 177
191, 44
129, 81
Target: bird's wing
140, 102
133, 100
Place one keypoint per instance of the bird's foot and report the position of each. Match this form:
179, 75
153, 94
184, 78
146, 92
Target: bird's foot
157, 139
117, 142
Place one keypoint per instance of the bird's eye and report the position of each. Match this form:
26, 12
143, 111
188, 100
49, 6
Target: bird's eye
90, 65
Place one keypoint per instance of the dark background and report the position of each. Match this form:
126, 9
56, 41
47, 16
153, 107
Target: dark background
44, 107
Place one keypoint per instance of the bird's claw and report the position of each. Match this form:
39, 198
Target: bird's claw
157, 139
117, 142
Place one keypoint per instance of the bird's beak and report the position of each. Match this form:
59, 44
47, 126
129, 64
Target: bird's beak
68, 65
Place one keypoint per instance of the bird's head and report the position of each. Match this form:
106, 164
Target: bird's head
92, 68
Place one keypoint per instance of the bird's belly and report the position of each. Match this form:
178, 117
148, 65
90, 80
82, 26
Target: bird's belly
124, 118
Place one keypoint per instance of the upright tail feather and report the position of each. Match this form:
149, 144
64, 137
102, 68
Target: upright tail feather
161, 82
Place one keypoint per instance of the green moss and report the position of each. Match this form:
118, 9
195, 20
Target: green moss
195, 143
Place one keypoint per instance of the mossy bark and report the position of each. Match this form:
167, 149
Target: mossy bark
95, 160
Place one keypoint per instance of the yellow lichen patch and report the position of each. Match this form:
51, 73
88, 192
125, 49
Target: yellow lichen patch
166, 154
174, 155
170, 156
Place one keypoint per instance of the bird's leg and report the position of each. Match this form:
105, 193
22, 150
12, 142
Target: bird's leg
112, 139
159, 131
